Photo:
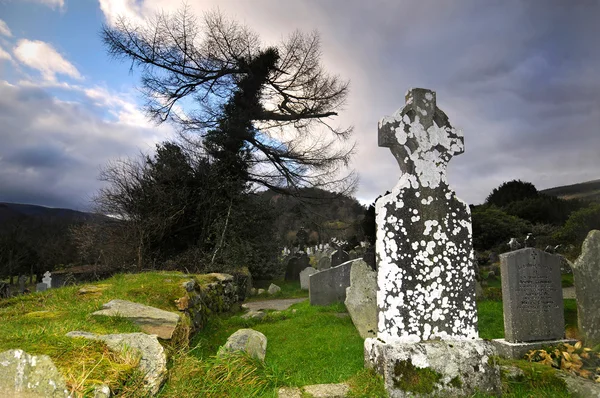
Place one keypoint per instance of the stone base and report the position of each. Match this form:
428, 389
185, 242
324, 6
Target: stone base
507, 349
455, 368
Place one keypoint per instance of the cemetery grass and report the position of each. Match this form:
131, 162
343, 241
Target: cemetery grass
311, 345
38, 322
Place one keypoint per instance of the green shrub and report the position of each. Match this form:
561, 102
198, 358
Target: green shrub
492, 227
579, 224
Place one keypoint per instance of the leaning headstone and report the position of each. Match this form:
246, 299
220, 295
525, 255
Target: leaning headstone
304, 277
329, 286
425, 264
24, 375
324, 263
338, 257
47, 279
586, 275
361, 298
532, 301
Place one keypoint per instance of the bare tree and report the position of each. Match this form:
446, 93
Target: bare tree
292, 143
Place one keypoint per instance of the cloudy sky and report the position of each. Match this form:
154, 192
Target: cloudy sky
520, 78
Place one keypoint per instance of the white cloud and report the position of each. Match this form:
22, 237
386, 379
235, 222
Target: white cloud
50, 3
4, 30
43, 57
4, 54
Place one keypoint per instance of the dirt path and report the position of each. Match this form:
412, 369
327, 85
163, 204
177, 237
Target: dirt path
279, 305
569, 292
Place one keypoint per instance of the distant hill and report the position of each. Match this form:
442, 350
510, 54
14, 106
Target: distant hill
589, 191
13, 211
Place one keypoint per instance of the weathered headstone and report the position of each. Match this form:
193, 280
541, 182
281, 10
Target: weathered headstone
329, 286
295, 266
424, 249
514, 244
41, 287
338, 257
304, 277
425, 263
532, 300
361, 298
47, 279
586, 274
324, 263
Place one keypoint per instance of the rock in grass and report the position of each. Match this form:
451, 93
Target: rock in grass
273, 288
328, 390
252, 342
289, 392
252, 314
153, 360
151, 320
260, 291
24, 375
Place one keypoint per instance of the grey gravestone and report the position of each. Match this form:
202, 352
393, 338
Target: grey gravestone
361, 298
295, 266
324, 263
586, 274
329, 286
426, 276
22, 282
41, 287
338, 257
532, 296
304, 277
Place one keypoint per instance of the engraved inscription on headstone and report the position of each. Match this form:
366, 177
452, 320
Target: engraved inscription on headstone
532, 296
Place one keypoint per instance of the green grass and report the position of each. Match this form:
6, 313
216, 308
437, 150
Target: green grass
491, 319
38, 322
289, 289
567, 280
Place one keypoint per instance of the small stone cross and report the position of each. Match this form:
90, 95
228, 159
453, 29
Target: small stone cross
420, 136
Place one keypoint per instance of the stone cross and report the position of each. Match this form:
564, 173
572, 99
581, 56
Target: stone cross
426, 273
47, 279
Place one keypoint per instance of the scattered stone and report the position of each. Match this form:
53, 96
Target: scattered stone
328, 390
29, 376
102, 391
247, 340
273, 289
189, 286
478, 290
294, 311
150, 320
512, 372
578, 386
329, 286
260, 291
153, 360
586, 275
253, 291
435, 368
361, 298
278, 305
304, 277
289, 392
252, 314
92, 289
